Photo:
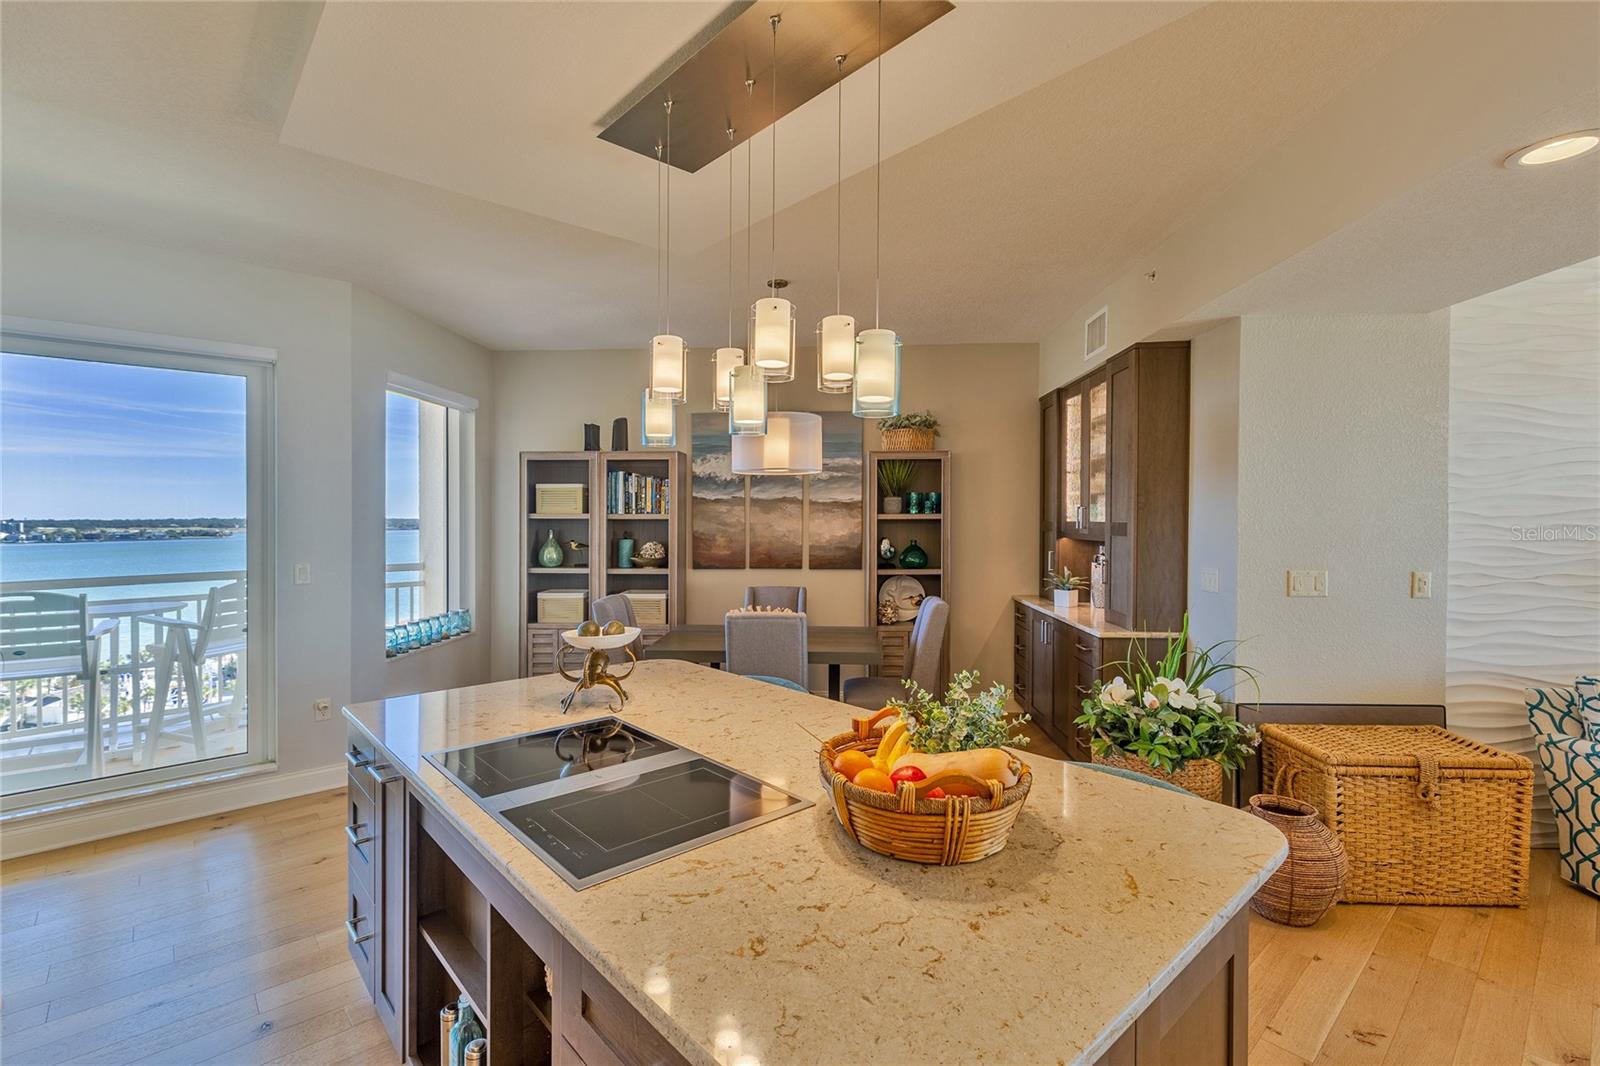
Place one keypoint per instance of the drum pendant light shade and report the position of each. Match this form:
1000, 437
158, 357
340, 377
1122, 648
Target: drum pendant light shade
667, 356
747, 402
722, 366
658, 422
792, 445
772, 337
877, 384
836, 353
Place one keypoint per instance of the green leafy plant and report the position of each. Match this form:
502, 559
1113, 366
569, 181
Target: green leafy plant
914, 420
1166, 715
1064, 581
895, 475
966, 719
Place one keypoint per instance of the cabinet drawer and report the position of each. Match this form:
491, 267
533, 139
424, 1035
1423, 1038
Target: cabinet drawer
361, 831
360, 753
361, 929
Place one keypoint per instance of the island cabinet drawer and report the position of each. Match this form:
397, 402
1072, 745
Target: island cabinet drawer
361, 933
360, 753
361, 835
601, 1027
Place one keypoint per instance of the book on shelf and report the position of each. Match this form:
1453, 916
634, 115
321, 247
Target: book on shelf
630, 493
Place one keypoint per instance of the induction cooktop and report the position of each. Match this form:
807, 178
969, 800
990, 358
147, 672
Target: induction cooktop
598, 799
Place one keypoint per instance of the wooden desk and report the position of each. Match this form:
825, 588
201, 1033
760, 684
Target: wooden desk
832, 646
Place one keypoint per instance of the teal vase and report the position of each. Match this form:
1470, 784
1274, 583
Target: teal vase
465, 1031
625, 552
912, 557
550, 553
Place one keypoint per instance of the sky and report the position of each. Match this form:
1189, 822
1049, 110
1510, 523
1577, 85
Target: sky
81, 439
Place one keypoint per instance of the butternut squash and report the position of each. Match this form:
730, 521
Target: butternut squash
986, 764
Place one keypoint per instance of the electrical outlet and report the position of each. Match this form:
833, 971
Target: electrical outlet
302, 573
322, 709
1208, 579
1422, 584
1308, 583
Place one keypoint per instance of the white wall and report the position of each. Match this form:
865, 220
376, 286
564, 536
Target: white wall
1524, 605
324, 477
1342, 462
983, 394
1214, 484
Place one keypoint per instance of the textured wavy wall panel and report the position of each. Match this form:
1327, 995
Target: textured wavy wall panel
1524, 575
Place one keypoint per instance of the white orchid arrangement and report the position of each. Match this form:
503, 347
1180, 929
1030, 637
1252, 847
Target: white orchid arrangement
1167, 715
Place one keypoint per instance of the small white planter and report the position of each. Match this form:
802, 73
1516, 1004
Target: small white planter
1065, 599
891, 505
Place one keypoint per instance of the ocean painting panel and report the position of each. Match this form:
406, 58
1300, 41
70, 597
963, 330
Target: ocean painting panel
717, 497
834, 527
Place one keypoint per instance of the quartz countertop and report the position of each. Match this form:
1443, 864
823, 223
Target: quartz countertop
1093, 622
790, 943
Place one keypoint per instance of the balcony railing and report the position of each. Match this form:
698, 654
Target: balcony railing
402, 596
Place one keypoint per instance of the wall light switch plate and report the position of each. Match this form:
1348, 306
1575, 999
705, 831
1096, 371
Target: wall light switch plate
1308, 583
1208, 579
302, 573
1422, 584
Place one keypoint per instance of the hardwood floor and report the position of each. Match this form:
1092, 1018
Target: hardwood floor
221, 940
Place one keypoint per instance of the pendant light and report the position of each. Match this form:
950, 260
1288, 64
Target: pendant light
791, 446
658, 421
877, 382
836, 333
723, 362
772, 318
667, 352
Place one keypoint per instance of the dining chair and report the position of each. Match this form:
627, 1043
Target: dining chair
182, 648
768, 645
617, 608
924, 661
792, 597
45, 635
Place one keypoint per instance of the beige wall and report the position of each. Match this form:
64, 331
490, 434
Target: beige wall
984, 395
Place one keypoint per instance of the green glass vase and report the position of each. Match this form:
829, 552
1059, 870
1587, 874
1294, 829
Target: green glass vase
550, 553
912, 557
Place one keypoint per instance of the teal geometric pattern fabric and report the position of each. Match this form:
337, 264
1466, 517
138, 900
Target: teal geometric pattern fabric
1588, 691
1571, 761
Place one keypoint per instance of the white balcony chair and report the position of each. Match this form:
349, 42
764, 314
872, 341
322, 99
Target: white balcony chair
184, 647
45, 635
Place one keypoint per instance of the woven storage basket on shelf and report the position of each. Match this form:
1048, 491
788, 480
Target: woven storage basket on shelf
939, 832
1425, 816
908, 440
1309, 882
1203, 777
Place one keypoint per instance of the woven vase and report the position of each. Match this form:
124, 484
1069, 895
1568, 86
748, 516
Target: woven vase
1203, 777
1309, 882
908, 440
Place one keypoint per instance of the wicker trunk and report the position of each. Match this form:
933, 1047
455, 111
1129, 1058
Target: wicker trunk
1425, 816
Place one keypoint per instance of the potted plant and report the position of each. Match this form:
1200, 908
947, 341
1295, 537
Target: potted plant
913, 432
894, 478
1163, 721
1064, 589
964, 720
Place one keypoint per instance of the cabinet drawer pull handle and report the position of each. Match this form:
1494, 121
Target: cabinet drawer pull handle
1083, 648
377, 771
353, 831
350, 930
355, 759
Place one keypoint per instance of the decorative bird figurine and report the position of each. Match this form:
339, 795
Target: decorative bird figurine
577, 545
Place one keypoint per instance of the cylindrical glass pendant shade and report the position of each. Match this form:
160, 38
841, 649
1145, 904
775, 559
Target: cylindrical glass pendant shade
877, 384
747, 401
792, 445
722, 366
772, 338
658, 422
667, 355
836, 353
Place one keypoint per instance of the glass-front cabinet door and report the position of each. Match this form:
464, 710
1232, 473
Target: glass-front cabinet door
1071, 461
1096, 459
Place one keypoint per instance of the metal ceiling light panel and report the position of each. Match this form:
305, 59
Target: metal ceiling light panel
708, 80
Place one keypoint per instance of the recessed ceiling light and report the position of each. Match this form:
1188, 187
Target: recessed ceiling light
1555, 149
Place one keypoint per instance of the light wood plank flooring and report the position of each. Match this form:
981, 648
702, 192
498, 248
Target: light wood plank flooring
221, 940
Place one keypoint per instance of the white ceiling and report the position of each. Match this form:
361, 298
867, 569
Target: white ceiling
444, 155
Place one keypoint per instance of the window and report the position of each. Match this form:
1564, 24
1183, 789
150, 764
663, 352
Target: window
135, 590
428, 465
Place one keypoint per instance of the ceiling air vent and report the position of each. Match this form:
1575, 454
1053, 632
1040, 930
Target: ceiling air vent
1094, 334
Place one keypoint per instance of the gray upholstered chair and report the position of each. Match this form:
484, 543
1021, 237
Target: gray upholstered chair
924, 660
790, 596
617, 608
766, 645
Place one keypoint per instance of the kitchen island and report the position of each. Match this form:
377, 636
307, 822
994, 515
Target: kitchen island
1111, 928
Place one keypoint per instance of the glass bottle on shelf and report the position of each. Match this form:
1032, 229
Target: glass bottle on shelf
551, 555
465, 1031
1097, 579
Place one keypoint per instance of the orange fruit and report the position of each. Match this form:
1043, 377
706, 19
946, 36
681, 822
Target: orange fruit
852, 762
875, 779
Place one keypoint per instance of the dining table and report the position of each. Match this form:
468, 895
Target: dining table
830, 646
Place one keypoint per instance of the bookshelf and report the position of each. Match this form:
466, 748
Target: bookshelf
932, 534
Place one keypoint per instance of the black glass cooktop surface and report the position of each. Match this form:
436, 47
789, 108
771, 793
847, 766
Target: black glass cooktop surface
599, 799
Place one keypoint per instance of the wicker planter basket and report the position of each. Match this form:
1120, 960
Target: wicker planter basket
1424, 815
908, 440
1309, 882
939, 832
1203, 777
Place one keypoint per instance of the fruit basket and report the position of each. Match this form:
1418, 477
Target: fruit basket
906, 824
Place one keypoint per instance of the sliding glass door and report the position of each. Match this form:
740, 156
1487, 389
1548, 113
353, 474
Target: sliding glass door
134, 592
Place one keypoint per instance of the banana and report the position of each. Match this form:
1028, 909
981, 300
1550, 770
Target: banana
893, 738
